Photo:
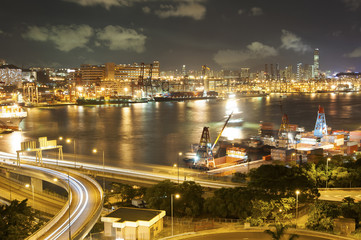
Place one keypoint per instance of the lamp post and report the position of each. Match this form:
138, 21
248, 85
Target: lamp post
171, 208
95, 151
297, 193
69, 140
32, 189
328, 159
179, 155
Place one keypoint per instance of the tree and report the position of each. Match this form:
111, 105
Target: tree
279, 232
124, 193
158, 196
321, 216
17, 221
191, 200
231, 202
280, 181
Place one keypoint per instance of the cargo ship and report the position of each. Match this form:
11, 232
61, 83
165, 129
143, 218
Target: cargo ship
10, 117
183, 96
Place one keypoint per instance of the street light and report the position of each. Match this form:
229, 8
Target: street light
179, 155
328, 159
297, 193
69, 140
32, 189
171, 210
95, 151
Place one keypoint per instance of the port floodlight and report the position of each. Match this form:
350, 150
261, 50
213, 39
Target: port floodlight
174, 165
68, 140
27, 185
95, 150
298, 192
60, 138
55, 179
180, 153
328, 159
177, 196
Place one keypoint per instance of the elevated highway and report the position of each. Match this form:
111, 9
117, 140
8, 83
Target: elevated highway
151, 176
81, 211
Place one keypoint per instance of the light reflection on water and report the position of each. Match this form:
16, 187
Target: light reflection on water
154, 133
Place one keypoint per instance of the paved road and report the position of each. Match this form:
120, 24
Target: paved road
86, 202
254, 236
155, 174
340, 194
11, 190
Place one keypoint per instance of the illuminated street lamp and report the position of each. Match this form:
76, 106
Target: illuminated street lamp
69, 140
171, 206
328, 159
95, 151
297, 193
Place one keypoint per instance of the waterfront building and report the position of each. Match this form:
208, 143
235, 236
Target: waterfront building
117, 79
11, 75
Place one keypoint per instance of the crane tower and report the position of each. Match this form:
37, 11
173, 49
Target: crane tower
320, 127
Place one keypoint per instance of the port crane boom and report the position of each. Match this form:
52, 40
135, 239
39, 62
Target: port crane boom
220, 134
210, 154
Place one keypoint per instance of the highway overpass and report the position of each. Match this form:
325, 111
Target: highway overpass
79, 213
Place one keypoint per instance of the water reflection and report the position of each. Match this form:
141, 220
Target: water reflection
154, 133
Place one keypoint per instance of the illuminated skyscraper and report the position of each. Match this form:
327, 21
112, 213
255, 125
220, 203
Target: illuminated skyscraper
299, 72
316, 64
184, 71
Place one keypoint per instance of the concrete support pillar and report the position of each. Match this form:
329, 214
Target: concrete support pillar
38, 185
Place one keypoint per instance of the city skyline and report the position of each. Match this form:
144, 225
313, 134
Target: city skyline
219, 34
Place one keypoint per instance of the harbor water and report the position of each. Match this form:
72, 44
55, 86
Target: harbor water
155, 132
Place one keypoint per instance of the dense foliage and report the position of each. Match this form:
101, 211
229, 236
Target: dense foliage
17, 221
189, 204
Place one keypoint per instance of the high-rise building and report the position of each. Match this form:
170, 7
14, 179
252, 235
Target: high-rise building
184, 71
245, 73
278, 75
266, 71
299, 72
316, 63
288, 73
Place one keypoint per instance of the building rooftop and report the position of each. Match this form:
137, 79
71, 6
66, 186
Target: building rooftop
133, 214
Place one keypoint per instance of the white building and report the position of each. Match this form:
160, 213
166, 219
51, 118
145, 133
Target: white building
133, 223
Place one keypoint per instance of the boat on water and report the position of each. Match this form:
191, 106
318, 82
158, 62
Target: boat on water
184, 96
243, 94
10, 116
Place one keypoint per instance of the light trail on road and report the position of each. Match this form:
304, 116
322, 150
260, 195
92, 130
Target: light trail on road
122, 171
85, 198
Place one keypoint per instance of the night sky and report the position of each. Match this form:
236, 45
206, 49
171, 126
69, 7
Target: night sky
222, 34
